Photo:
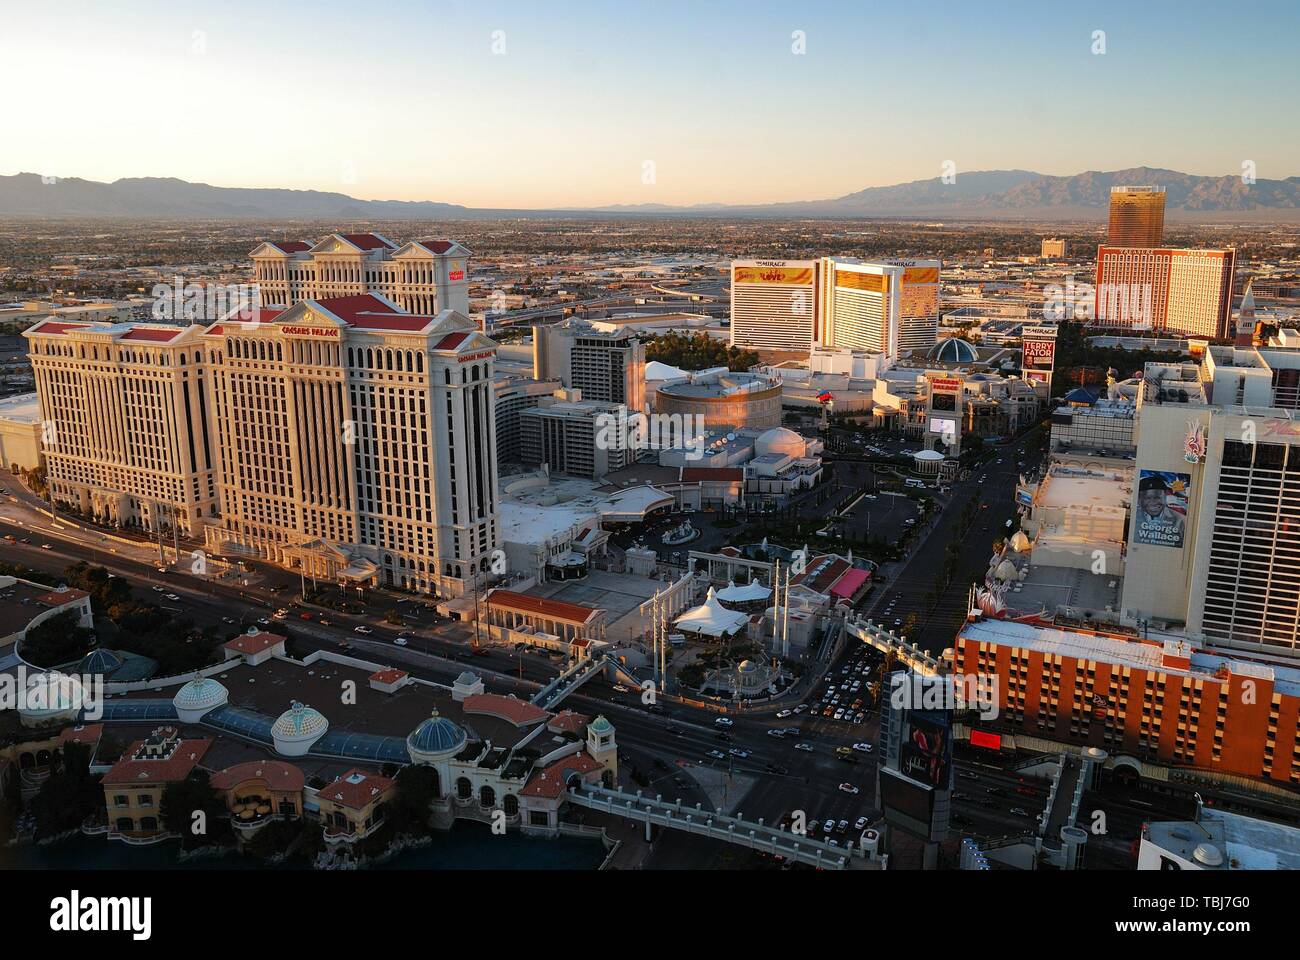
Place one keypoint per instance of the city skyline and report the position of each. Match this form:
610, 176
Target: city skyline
450, 109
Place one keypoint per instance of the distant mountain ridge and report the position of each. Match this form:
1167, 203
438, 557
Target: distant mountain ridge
984, 193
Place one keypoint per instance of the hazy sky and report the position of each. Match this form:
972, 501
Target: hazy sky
410, 101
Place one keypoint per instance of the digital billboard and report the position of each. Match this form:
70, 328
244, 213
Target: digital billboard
926, 754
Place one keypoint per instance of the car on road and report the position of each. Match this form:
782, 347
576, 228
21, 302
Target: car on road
47, 546
805, 747
863, 747
781, 715
323, 622
801, 708
158, 589
362, 630
738, 753
227, 619
400, 641
968, 776
717, 755
263, 621
722, 722
1018, 812
776, 733
619, 688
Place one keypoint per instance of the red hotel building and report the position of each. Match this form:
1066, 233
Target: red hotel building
1163, 702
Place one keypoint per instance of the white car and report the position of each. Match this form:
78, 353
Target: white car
848, 788
157, 589
781, 715
722, 722
860, 823
805, 747
173, 598
362, 630
400, 641
862, 747
619, 688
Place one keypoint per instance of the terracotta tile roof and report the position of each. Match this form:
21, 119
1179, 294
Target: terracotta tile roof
90, 733
820, 577
356, 789
518, 712
184, 758
57, 598
56, 327
367, 312
567, 721
254, 642
366, 241
152, 334
277, 774
436, 246
540, 606
291, 246
550, 783
451, 341
390, 675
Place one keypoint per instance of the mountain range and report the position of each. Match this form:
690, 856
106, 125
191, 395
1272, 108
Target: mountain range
986, 194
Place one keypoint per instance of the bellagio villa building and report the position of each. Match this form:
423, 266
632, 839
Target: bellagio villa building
340, 435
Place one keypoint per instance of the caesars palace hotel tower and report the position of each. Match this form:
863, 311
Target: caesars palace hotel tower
357, 443
338, 431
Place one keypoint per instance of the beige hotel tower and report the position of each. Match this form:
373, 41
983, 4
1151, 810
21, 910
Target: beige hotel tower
347, 438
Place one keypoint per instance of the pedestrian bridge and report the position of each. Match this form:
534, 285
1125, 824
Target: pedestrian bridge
754, 834
550, 696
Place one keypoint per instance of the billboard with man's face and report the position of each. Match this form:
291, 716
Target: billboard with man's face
1161, 508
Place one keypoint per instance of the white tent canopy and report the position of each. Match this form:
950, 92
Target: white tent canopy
712, 619
745, 593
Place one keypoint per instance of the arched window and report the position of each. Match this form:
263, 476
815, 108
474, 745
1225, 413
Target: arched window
487, 797
464, 789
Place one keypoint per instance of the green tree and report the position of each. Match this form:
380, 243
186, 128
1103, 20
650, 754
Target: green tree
69, 796
182, 799
416, 790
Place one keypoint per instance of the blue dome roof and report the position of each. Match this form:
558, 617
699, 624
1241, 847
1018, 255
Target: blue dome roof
436, 735
101, 661
953, 350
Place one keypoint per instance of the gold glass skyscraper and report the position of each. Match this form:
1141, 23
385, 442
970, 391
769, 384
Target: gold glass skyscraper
1137, 216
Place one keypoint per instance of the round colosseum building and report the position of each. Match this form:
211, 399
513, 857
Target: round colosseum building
742, 401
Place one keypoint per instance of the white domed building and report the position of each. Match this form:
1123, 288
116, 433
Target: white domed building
927, 463
297, 730
50, 698
198, 697
780, 440
784, 463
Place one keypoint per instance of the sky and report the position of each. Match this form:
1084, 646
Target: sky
559, 104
